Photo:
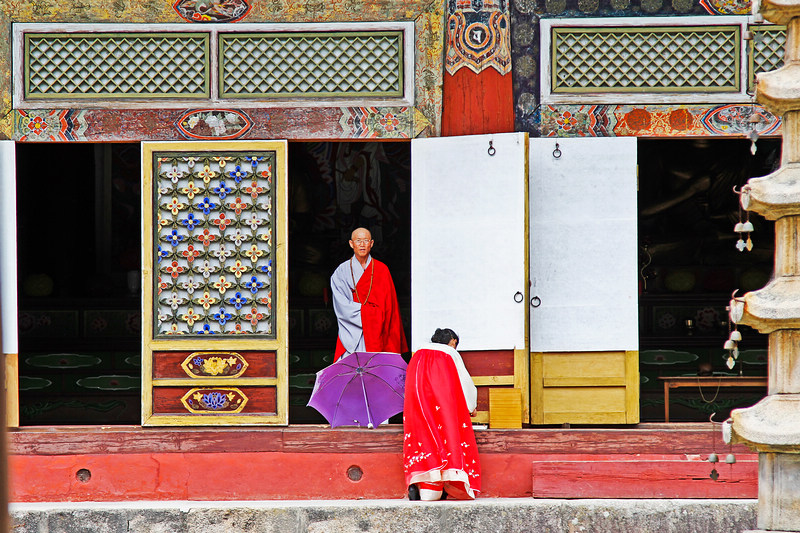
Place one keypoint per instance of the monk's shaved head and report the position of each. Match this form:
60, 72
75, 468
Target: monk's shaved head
360, 233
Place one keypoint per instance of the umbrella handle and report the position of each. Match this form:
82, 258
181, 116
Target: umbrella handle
366, 402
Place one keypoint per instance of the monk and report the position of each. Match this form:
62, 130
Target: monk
365, 302
440, 457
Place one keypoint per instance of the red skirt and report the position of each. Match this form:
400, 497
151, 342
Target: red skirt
438, 443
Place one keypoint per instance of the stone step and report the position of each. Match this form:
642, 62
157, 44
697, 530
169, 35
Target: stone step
512, 515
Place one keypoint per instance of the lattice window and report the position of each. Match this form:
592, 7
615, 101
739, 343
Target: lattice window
311, 64
651, 59
214, 244
766, 49
121, 65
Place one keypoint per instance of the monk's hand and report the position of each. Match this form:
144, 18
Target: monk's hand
474, 412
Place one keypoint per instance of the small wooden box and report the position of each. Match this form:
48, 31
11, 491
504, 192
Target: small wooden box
505, 408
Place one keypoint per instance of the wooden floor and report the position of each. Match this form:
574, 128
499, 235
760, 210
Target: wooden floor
316, 462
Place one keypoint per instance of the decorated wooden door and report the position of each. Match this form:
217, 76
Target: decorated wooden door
584, 281
469, 255
214, 283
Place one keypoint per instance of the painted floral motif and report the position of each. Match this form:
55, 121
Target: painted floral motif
213, 258
216, 400
214, 124
726, 7
49, 125
212, 10
741, 119
377, 122
217, 364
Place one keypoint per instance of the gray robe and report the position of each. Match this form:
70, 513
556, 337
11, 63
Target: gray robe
348, 311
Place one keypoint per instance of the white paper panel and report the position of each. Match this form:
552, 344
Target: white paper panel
583, 240
8, 247
468, 240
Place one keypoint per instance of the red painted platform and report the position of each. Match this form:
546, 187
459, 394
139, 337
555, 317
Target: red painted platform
127, 463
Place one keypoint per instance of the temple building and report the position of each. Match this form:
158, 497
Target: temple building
557, 181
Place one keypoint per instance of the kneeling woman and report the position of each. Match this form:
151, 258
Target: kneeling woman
440, 457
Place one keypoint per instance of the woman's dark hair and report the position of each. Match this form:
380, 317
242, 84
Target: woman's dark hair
444, 336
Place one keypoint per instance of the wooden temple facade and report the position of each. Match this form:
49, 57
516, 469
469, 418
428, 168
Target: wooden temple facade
548, 178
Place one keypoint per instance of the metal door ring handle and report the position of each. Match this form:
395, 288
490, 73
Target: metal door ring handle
492, 150
518, 297
557, 152
536, 301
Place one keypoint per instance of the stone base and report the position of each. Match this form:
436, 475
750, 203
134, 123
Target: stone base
387, 516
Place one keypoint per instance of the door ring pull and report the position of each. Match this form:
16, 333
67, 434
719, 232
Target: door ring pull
518, 297
536, 301
492, 150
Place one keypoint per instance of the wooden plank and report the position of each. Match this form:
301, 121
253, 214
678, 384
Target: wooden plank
565, 365
684, 438
168, 364
579, 417
632, 385
619, 381
483, 381
537, 389
505, 408
489, 363
584, 399
12, 389
522, 381
259, 400
643, 478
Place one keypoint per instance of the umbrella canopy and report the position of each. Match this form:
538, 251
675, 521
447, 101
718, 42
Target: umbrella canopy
361, 389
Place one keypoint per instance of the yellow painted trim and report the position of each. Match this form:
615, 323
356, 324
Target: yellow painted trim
280, 345
537, 389
620, 381
632, 384
221, 382
481, 417
215, 420
585, 418
179, 344
12, 389
522, 370
484, 381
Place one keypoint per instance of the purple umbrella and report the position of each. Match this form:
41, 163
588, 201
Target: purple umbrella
363, 388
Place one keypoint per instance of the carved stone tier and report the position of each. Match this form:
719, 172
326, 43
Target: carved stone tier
780, 11
772, 425
778, 90
776, 306
774, 195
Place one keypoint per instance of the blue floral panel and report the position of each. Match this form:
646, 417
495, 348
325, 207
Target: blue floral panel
213, 244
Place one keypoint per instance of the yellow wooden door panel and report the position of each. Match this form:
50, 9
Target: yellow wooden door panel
585, 364
585, 388
215, 296
585, 418
585, 399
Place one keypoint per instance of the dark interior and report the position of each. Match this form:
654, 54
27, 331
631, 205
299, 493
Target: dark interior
79, 255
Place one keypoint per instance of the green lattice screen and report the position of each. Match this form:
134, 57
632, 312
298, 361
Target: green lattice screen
766, 50
122, 65
654, 59
311, 64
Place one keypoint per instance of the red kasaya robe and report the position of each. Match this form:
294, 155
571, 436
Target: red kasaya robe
380, 312
438, 440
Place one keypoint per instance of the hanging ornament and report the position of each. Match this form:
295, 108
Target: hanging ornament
732, 345
743, 228
754, 120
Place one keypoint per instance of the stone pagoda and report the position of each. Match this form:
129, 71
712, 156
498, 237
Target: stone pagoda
772, 427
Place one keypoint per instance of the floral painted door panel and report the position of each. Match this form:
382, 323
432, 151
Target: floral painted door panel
214, 283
